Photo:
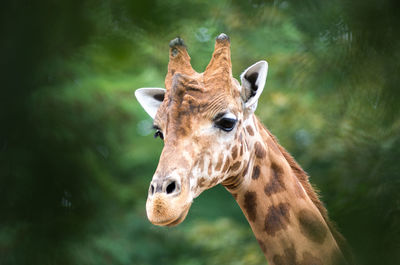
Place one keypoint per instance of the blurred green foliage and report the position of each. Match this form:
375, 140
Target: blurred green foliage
76, 152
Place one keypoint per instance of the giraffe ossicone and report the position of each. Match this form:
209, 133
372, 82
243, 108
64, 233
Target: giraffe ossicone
211, 136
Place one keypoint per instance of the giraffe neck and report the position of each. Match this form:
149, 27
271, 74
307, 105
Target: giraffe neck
287, 223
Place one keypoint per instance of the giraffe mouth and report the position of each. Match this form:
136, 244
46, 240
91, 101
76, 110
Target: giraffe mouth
173, 221
178, 220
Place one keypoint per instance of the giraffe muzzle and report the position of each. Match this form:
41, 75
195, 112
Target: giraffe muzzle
167, 203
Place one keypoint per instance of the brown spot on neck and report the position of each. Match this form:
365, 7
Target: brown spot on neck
277, 218
276, 184
256, 172
312, 227
288, 257
250, 205
259, 150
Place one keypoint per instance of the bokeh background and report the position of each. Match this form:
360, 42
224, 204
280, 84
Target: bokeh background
77, 152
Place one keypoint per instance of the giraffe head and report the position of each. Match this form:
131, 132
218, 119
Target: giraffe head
200, 117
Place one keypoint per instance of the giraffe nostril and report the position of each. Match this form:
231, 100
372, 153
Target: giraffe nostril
167, 186
171, 187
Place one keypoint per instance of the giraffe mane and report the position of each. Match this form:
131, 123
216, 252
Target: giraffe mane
312, 193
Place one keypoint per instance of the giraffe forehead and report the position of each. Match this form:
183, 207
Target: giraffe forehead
200, 104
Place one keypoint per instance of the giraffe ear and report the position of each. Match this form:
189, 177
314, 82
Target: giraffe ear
150, 99
253, 81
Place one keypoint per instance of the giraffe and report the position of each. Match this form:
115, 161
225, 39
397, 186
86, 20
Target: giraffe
212, 136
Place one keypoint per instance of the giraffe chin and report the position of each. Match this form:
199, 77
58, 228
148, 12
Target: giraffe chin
176, 221
161, 214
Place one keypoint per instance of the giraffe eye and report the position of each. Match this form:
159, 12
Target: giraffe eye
226, 124
159, 134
